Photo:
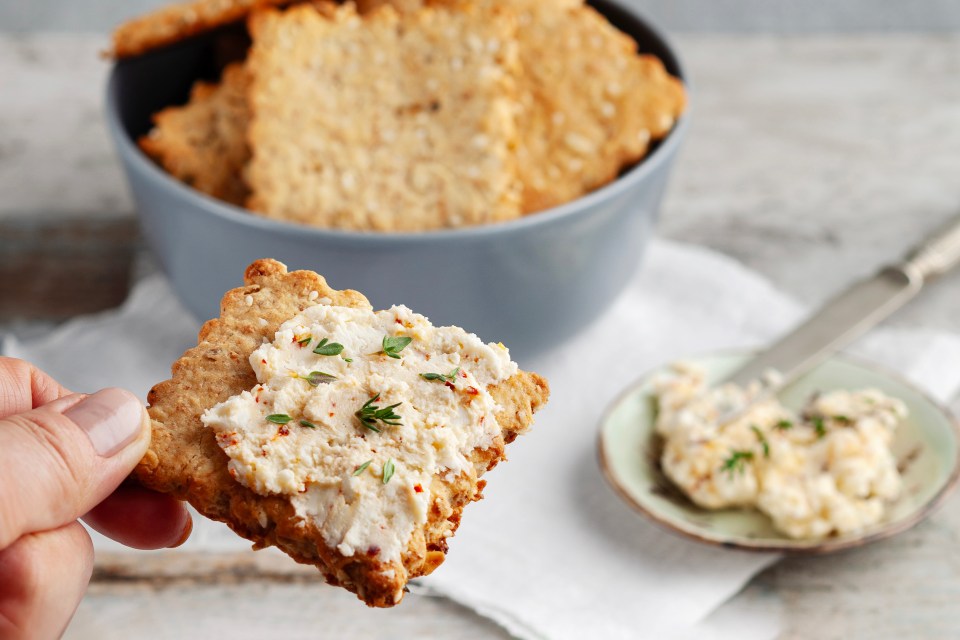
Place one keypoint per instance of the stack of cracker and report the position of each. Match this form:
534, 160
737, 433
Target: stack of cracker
408, 115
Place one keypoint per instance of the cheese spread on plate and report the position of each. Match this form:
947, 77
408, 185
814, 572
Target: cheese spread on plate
355, 412
825, 470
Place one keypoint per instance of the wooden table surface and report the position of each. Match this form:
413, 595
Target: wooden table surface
812, 160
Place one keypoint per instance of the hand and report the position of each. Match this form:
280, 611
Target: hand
64, 456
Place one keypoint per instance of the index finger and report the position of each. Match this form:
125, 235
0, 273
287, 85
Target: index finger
24, 387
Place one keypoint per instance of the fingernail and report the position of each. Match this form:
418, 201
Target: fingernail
112, 419
187, 530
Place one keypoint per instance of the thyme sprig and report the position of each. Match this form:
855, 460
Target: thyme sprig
449, 377
369, 414
737, 462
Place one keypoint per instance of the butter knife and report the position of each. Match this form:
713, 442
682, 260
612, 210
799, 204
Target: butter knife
853, 312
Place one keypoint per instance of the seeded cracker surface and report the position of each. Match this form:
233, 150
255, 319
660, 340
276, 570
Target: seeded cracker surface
383, 123
185, 460
177, 22
203, 143
590, 103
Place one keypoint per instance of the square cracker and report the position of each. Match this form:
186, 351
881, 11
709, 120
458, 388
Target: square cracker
185, 460
590, 103
385, 122
177, 22
204, 142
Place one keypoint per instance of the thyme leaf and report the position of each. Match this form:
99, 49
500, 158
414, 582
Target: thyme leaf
316, 378
393, 345
362, 468
763, 440
449, 377
737, 462
819, 426
327, 348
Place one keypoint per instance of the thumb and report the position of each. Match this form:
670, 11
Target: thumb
61, 459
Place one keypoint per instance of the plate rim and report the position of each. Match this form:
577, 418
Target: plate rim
818, 547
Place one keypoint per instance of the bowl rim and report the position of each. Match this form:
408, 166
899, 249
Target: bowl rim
800, 547
663, 151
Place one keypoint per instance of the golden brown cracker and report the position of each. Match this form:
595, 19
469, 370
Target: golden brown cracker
590, 103
174, 23
185, 460
385, 122
203, 143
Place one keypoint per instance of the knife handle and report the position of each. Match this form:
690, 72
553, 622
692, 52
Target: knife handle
936, 256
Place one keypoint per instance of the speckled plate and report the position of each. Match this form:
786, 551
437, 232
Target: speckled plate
925, 445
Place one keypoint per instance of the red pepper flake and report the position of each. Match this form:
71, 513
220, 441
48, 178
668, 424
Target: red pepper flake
398, 321
263, 360
227, 439
332, 414
373, 550
418, 488
463, 374
472, 391
450, 385
283, 431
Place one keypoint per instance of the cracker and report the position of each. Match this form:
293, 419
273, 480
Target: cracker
174, 23
203, 143
590, 103
185, 460
383, 123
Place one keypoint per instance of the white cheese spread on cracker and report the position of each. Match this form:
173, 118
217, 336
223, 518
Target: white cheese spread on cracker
355, 412
827, 470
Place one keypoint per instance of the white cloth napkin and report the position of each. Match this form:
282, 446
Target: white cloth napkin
551, 552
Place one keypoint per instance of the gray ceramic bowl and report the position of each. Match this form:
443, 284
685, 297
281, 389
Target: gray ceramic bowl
529, 283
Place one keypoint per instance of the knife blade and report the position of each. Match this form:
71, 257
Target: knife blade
853, 312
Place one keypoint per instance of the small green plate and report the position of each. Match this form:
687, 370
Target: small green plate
925, 445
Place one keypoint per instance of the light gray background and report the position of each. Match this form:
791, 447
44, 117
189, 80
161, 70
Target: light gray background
775, 16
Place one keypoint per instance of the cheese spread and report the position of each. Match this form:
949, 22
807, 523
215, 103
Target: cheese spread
354, 414
827, 470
